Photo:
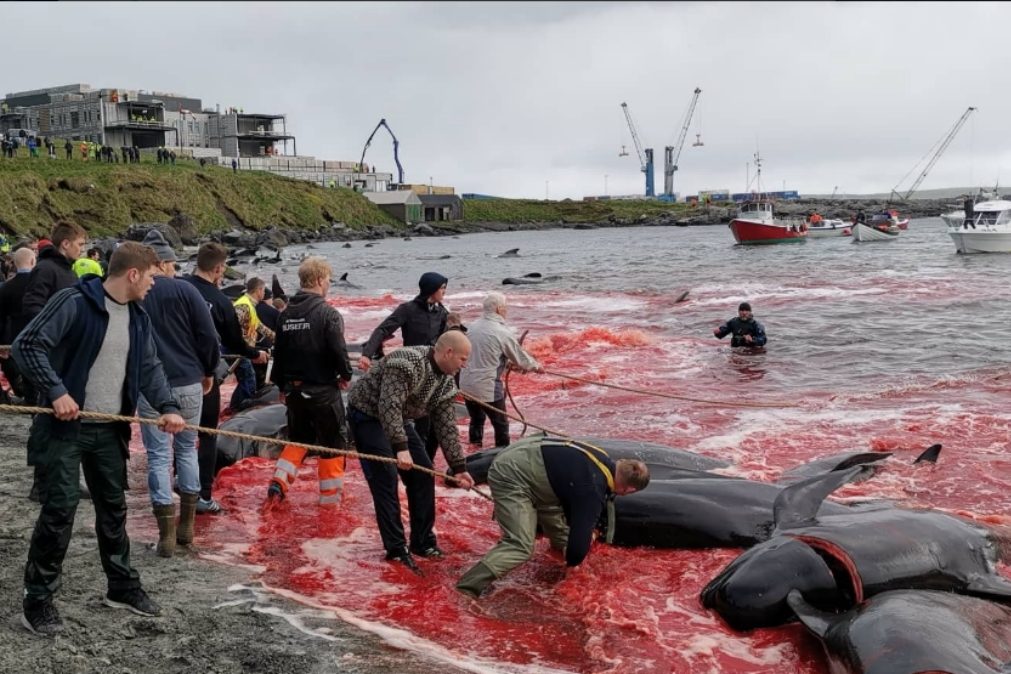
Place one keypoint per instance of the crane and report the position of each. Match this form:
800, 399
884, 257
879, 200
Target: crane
672, 153
396, 147
645, 156
942, 145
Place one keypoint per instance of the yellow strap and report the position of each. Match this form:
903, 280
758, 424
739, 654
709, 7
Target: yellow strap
582, 446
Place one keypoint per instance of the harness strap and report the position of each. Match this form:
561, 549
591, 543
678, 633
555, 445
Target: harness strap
590, 452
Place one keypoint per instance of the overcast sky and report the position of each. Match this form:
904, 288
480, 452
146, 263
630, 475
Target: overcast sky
504, 98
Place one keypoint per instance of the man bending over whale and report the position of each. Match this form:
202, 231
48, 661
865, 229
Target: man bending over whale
563, 486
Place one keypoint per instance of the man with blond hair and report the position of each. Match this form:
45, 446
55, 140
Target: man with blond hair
311, 366
91, 349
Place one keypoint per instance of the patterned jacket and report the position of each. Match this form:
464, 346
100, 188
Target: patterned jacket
405, 385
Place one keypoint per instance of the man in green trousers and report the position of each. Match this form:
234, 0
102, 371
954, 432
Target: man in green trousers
561, 484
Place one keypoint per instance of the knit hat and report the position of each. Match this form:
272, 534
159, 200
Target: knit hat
430, 282
162, 249
744, 306
43, 243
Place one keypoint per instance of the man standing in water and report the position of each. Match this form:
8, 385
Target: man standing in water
745, 329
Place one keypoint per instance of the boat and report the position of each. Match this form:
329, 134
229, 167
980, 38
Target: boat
863, 233
989, 232
956, 217
827, 227
756, 223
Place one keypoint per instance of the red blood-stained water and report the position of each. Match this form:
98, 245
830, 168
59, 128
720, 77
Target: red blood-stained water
857, 361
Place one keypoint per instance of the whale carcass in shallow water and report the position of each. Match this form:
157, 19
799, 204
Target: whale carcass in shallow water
912, 632
685, 505
838, 560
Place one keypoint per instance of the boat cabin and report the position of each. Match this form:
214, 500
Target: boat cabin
993, 213
756, 210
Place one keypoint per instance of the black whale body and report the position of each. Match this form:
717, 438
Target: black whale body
838, 560
913, 631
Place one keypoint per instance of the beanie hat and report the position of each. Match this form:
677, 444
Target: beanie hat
430, 282
43, 243
162, 249
744, 306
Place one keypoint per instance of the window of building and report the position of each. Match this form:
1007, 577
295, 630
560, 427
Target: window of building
75, 120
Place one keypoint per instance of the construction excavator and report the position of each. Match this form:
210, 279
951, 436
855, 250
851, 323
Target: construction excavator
396, 148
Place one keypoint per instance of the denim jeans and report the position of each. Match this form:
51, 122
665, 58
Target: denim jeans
245, 384
184, 444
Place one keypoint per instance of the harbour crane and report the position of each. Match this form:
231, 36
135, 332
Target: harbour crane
396, 147
942, 145
645, 156
672, 153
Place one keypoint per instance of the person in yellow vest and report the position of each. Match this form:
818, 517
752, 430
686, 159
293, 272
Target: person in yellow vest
560, 484
253, 331
86, 265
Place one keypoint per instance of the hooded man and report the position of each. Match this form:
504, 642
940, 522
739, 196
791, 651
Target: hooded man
420, 321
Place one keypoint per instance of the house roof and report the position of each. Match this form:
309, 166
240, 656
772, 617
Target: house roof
440, 199
393, 197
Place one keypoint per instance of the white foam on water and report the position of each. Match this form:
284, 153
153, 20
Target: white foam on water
608, 304
394, 636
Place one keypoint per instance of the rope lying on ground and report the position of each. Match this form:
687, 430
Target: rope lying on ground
667, 395
24, 409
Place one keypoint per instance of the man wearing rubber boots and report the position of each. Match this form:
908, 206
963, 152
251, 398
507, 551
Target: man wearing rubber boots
561, 485
311, 365
409, 383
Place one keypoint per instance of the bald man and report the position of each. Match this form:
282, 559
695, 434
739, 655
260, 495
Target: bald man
13, 320
409, 383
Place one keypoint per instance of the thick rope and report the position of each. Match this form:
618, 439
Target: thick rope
557, 434
329, 451
509, 393
671, 396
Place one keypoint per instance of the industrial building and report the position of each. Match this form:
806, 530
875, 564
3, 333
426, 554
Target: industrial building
403, 205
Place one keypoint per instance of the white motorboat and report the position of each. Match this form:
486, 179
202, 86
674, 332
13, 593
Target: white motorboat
825, 228
989, 231
863, 233
956, 218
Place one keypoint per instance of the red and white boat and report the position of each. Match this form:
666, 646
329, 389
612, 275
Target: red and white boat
755, 224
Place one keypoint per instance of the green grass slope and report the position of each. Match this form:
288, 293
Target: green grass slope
532, 210
107, 198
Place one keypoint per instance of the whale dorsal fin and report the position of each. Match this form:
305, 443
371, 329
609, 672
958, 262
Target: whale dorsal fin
815, 620
798, 504
344, 276
929, 455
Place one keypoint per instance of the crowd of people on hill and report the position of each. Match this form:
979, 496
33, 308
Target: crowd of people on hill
100, 338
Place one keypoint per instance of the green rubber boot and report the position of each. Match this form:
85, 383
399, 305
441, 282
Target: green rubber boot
476, 581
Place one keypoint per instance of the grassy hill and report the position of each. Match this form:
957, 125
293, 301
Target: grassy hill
532, 210
107, 198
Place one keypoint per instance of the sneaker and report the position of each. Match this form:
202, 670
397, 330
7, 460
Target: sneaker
404, 557
432, 552
209, 506
135, 600
41, 617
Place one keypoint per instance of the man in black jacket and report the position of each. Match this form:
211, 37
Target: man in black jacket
311, 365
420, 322
13, 321
561, 485
53, 272
211, 259
745, 329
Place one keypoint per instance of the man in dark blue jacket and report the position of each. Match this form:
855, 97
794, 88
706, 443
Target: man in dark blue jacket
91, 349
561, 485
189, 351
211, 261
745, 329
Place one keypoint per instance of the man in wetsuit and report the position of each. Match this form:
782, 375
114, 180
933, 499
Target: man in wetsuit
745, 329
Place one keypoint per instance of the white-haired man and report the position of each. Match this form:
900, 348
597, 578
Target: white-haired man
493, 348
